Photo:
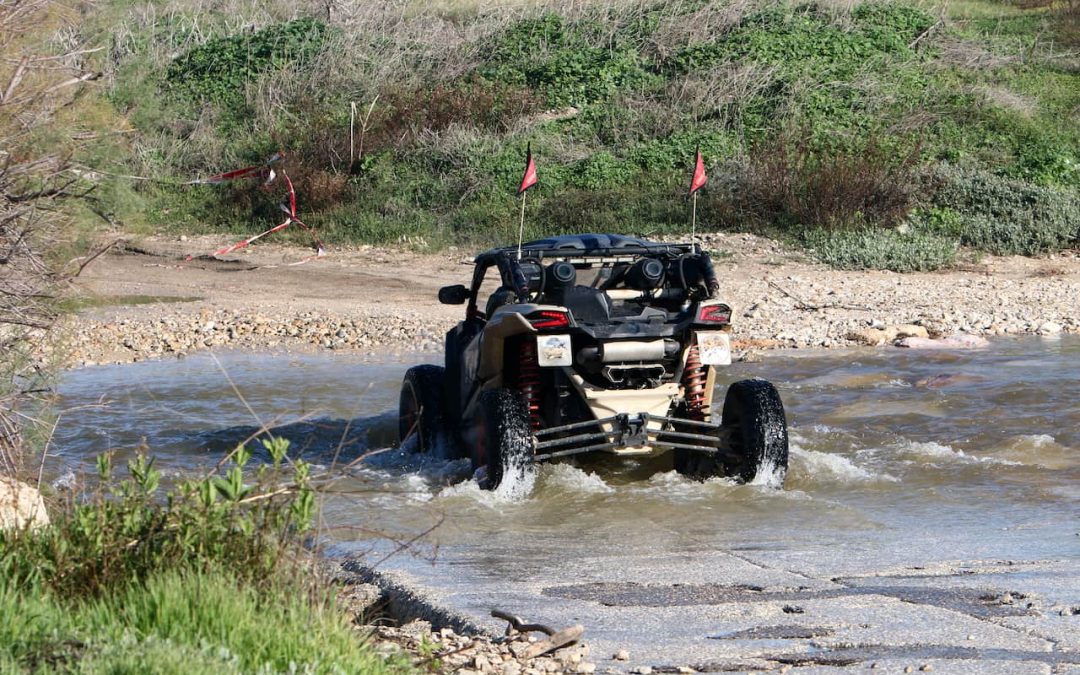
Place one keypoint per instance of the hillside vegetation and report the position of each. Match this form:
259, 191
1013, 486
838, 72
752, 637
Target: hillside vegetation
880, 134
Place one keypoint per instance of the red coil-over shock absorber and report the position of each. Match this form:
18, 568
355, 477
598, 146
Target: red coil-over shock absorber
695, 377
528, 380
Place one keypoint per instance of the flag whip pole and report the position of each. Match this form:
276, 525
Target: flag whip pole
693, 221
521, 228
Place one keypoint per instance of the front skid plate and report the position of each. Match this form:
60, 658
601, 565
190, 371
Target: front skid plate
631, 435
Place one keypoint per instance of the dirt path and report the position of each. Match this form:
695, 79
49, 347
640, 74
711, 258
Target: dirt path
144, 300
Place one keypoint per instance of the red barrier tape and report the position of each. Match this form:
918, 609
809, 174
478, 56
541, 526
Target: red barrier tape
290, 211
247, 172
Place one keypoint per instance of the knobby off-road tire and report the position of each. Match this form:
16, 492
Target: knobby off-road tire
506, 437
753, 419
754, 415
420, 408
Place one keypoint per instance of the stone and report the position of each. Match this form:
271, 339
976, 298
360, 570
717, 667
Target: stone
21, 506
511, 668
416, 629
951, 342
872, 337
1049, 328
907, 330
586, 668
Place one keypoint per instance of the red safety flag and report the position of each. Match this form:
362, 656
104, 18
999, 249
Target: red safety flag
699, 179
529, 179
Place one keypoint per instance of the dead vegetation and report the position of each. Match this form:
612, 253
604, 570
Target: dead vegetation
33, 185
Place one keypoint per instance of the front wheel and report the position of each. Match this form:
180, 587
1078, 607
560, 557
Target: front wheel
505, 444
420, 407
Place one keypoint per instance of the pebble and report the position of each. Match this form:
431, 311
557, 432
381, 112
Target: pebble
621, 655
478, 654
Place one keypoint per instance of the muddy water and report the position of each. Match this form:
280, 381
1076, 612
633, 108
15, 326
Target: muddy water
902, 463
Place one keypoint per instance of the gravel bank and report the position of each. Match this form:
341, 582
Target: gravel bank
374, 300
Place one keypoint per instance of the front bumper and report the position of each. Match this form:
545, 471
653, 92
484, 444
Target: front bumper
640, 434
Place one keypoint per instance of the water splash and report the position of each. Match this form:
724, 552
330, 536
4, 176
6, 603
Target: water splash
937, 451
569, 478
812, 466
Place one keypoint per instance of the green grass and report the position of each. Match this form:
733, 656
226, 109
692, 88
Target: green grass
78, 304
454, 98
182, 622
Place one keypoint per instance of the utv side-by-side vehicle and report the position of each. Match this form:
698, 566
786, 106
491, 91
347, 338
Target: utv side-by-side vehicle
591, 344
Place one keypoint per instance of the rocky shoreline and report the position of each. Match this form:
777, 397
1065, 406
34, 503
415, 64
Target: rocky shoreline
365, 301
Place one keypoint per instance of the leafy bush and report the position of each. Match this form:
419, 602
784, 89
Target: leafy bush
404, 114
133, 529
137, 578
220, 69
1003, 216
560, 60
789, 185
874, 248
808, 37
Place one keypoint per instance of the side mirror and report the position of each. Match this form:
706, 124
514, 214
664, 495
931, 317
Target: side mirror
453, 295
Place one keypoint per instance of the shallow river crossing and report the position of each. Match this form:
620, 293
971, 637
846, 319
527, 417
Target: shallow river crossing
931, 514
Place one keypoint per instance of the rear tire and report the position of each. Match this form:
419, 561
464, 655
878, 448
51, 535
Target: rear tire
420, 407
755, 417
506, 438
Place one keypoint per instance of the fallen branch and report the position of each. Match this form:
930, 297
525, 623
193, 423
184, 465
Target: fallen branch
802, 304
86, 260
518, 624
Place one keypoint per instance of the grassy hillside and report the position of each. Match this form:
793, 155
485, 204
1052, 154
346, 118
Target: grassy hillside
879, 134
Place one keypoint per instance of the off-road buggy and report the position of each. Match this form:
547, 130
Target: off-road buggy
591, 344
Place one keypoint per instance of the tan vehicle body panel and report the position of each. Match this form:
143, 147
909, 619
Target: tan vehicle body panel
509, 321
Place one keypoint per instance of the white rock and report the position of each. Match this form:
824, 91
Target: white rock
21, 505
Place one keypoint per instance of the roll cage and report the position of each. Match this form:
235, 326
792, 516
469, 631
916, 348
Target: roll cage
578, 250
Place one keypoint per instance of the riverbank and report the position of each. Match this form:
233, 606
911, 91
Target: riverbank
145, 300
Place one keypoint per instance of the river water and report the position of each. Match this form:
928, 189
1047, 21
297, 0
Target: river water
902, 462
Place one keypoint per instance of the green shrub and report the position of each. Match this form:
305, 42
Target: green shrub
207, 577
560, 60
220, 69
133, 529
788, 184
809, 38
1005, 216
882, 249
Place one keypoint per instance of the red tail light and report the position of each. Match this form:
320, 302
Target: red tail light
714, 314
549, 318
